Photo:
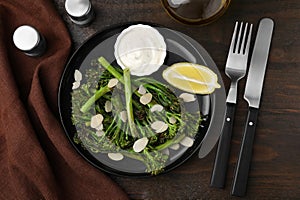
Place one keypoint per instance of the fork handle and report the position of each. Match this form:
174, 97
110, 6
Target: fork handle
240, 179
232, 93
222, 156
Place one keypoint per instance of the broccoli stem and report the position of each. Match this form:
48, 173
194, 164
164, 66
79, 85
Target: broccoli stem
111, 69
119, 76
128, 98
170, 142
91, 101
99, 93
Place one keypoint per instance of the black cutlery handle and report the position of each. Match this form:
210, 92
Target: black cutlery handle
222, 156
243, 165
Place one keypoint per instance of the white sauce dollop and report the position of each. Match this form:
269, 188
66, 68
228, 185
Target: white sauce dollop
141, 48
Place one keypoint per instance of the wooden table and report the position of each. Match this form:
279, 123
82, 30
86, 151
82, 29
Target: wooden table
275, 169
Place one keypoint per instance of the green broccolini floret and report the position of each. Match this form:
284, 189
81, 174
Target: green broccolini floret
119, 136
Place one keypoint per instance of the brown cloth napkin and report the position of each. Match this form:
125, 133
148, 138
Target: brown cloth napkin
36, 159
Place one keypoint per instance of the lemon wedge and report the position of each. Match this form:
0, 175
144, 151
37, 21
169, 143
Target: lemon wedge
190, 77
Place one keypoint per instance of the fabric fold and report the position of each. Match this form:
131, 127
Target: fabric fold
36, 159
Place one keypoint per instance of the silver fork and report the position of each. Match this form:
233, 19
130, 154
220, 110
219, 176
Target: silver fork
236, 67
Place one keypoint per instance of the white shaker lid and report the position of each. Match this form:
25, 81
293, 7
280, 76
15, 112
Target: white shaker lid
77, 8
26, 37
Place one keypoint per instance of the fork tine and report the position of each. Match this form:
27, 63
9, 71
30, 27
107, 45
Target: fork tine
237, 48
231, 48
248, 41
244, 38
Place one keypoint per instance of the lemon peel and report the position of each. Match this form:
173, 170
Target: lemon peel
190, 77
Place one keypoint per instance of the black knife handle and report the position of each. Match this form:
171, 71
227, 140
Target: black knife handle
222, 156
243, 165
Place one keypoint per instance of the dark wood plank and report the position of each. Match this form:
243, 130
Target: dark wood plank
275, 170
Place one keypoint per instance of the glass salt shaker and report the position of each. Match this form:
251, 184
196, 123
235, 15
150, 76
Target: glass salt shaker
80, 11
29, 40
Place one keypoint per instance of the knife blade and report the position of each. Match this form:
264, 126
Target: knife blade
252, 95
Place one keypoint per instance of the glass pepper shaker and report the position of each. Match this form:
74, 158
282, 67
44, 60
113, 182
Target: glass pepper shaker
29, 40
80, 11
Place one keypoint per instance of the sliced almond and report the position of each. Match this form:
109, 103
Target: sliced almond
187, 142
99, 128
140, 144
112, 83
166, 151
163, 129
108, 106
77, 75
157, 108
187, 97
142, 90
159, 126
123, 115
99, 133
146, 98
172, 120
96, 120
76, 85
115, 156
175, 147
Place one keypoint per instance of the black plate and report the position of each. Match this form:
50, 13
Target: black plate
179, 48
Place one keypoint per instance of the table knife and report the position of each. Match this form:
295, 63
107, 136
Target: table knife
252, 95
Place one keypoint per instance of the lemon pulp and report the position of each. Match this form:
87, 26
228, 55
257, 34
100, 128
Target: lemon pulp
190, 77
